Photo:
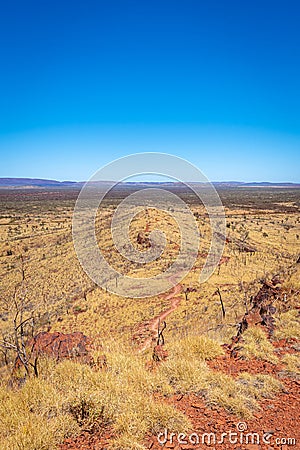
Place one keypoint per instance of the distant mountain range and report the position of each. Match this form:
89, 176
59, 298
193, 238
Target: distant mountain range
22, 183
35, 182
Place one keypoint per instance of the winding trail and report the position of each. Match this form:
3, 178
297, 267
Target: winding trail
152, 326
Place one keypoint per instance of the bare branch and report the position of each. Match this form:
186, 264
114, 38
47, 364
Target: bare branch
221, 301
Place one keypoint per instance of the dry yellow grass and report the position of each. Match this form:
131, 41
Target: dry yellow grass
255, 344
292, 363
196, 347
56, 284
288, 325
69, 396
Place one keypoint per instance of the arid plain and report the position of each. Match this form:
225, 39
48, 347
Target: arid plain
83, 368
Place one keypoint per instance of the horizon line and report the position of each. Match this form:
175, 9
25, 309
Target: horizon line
52, 180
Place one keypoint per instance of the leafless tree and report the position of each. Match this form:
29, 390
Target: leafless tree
160, 336
221, 301
22, 326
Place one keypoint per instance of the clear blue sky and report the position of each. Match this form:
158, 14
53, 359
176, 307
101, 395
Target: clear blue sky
216, 82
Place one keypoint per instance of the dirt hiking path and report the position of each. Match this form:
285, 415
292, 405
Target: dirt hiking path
152, 326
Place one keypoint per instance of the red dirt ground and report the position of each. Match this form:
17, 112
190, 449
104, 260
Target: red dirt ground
279, 417
277, 420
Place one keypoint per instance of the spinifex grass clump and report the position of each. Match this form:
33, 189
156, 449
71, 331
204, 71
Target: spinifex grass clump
255, 344
292, 363
187, 372
288, 325
69, 396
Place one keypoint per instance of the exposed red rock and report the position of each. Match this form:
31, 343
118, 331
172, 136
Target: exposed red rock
60, 346
278, 419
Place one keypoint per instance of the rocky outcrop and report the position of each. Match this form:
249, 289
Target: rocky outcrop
75, 346
261, 313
